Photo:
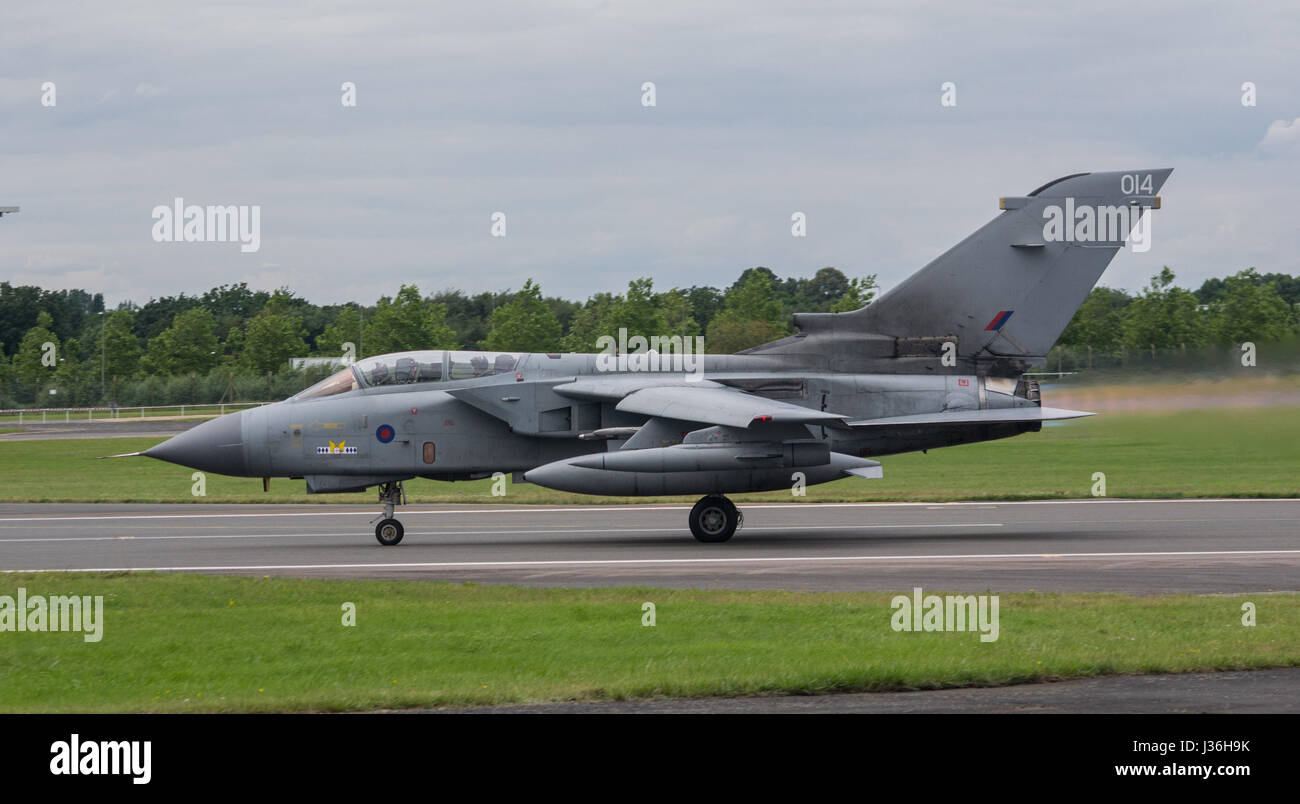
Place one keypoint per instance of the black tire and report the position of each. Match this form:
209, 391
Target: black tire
389, 532
714, 519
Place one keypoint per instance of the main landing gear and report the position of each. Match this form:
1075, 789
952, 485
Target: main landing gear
714, 519
389, 531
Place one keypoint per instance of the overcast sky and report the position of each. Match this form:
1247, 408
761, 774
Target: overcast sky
534, 109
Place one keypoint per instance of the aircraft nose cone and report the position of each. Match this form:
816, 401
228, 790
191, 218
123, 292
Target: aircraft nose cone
214, 446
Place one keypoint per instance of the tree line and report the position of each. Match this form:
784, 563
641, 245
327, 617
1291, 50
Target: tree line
236, 343
233, 342
1247, 306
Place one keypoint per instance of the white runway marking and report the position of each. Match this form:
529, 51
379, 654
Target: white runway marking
602, 508
644, 561
487, 532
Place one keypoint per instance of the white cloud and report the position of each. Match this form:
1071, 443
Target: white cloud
147, 90
1282, 137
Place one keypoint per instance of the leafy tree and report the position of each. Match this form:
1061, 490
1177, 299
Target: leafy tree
259, 332
1099, 320
408, 322
1250, 309
754, 300
1287, 286
188, 346
640, 311
158, 314
752, 315
525, 324
1210, 291
705, 303
728, 335
637, 311
860, 293
69, 377
19, 306
69, 309
827, 286
232, 348
748, 273
1164, 316
29, 361
564, 310
233, 305
121, 348
345, 328
468, 315
588, 323
675, 310
271, 338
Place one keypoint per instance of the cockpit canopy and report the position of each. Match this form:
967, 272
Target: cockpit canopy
400, 369
406, 368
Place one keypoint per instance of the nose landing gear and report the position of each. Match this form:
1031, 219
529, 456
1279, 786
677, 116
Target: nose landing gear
389, 531
714, 519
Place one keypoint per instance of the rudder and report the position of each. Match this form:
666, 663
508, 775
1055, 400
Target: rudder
1011, 288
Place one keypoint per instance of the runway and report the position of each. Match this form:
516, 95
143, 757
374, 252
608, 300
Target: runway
1143, 547
1250, 692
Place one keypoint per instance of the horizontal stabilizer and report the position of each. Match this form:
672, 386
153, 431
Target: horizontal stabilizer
996, 416
872, 472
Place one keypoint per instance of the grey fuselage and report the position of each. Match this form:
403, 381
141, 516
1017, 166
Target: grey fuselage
515, 422
938, 360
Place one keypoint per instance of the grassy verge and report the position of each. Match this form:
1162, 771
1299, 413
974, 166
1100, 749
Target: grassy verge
175, 643
1231, 452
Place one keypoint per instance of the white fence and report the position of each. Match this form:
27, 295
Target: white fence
32, 415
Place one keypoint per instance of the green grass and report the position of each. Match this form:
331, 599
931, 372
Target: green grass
175, 643
1231, 452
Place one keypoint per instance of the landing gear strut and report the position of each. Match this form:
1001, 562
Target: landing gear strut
714, 519
389, 531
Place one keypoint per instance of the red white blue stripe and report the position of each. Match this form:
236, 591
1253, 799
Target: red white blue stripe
998, 320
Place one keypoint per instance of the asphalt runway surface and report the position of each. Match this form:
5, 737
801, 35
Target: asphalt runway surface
1256, 691
1143, 547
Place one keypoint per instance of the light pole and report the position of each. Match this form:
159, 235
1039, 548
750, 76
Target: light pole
103, 324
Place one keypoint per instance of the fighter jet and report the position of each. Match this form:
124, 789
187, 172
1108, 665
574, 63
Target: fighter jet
938, 360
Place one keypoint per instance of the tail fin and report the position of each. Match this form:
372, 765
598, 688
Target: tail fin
1006, 292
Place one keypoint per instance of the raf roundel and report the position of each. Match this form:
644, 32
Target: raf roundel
385, 433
